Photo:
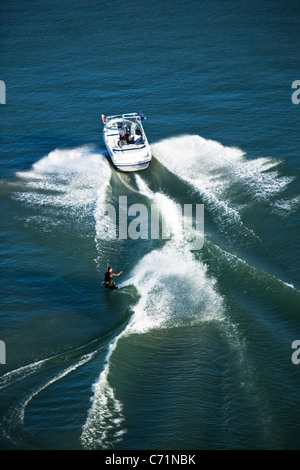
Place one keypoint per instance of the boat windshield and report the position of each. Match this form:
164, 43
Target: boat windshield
113, 121
126, 123
112, 125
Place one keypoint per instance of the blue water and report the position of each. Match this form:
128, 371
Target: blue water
195, 350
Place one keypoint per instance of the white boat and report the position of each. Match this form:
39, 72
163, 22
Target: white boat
126, 141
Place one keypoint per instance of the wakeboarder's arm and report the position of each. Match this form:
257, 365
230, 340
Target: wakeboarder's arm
117, 274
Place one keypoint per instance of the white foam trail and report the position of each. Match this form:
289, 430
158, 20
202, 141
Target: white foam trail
175, 288
67, 178
175, 291
208, 165
176, 225
76, 160
171, 212
18, 374
286, 207
289, 285
75, 181
196, 159
123, 177
217, 173
104, 424
16, 418
104, 225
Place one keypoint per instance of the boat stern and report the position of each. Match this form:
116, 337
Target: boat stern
131, 159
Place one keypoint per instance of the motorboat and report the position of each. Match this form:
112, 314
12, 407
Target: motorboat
126, 141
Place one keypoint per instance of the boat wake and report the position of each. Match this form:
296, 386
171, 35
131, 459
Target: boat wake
12, 423
71, 179
227, 181
176, 288
167, 300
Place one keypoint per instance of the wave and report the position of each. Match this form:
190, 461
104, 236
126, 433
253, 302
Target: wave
103, 426
285, 207
74, 181
66, 178
212, 168
174, 225
227, 181
174, 286
175, 290
12, 422
15, 420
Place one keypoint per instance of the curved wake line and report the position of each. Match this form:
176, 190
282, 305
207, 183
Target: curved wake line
15, 419
80, 179
157, 277
14, 376
255, 271
18, 374
127, 185
103, 427
75, 181
166, 301
220, 174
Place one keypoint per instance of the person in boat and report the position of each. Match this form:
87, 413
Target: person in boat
133, 128
121, 133
127, 135
108, 282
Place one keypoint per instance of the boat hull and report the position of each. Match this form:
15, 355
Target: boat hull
129, 162
130, 168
